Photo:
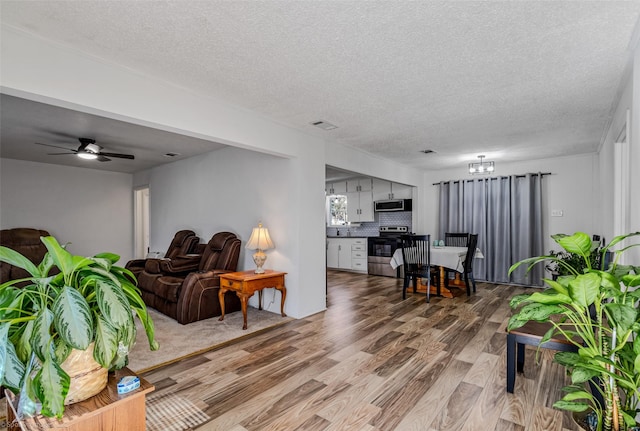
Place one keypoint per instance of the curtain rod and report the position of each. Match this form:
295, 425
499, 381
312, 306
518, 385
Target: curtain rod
495, 178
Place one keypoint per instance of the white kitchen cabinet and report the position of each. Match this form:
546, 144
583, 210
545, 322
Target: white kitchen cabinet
366, 206
339, 253
385, 190
359, 255
333, 253
401, 191
381, 189
347, 253
359, 185
336, 188
360, 206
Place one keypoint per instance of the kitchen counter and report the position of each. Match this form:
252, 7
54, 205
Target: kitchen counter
345, 236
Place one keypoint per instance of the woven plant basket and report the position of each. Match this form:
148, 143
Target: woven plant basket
88, 377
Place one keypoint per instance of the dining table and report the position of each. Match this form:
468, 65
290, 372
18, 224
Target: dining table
448, 257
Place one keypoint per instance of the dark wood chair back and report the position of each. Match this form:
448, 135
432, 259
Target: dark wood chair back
416, 254
454, 239
471, 253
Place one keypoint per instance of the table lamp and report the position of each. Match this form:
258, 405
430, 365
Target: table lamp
260, 240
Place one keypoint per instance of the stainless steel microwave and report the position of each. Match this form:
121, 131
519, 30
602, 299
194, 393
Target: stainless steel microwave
393, 205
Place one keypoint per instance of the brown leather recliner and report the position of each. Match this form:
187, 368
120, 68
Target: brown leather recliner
183, 243
186, 288
25, 241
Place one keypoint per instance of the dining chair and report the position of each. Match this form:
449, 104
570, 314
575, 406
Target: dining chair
456, 239
467, 265
416, 254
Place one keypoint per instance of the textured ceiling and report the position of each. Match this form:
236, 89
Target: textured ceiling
512, 80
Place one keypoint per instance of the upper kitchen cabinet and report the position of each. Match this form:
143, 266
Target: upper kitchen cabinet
360, 206
401, 191
384, 190
359, 185
336, 188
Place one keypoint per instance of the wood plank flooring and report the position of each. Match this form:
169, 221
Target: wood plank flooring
373, 362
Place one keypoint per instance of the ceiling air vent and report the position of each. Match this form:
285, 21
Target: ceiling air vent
324, 125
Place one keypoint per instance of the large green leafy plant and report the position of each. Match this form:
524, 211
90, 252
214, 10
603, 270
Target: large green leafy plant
90, 300
598, 306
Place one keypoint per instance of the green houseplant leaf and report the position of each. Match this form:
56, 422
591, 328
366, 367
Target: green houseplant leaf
14, 258
52, 386
14, 369
23, 346
584, 289
73, 320
106, 345
572, 406
622, 316
4, 341
61, 258
579, 243
41, 338
113, 303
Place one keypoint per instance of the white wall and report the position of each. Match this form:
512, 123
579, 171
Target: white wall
607, 161
628, 101
634, 159
91, 209
231, 190
572, 187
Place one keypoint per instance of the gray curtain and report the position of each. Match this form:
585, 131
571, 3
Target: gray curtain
506, 213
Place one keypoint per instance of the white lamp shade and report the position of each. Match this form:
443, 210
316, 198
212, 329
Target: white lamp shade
260, 239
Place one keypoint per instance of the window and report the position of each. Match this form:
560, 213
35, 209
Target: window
337, 210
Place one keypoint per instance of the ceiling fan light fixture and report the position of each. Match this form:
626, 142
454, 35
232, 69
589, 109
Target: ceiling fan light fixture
87, 155
89, 152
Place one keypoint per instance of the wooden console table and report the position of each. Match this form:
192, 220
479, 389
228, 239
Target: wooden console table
106, 411
246, 283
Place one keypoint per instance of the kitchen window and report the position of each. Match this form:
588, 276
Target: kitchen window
337, 210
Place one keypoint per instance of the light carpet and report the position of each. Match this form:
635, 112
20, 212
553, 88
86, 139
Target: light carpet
181, 341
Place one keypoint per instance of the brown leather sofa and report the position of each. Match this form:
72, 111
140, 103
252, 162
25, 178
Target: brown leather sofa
186, 288
25, 241
184, 242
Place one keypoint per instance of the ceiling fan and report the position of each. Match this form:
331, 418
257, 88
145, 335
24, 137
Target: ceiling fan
88, 149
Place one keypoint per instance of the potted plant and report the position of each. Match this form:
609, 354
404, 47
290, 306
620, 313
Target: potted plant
87, 306
568, 263
597, 305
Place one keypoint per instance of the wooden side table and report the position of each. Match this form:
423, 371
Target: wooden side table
246, 283
106, 411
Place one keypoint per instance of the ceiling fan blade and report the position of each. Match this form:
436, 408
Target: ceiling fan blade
56, 146
102, 158
59, 154
117, 155
57, 135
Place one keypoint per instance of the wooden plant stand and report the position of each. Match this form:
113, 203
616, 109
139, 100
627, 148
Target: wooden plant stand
106, 411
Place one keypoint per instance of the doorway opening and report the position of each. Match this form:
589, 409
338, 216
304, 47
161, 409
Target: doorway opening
141, 222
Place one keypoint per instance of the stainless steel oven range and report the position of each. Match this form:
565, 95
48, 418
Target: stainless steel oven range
381, 248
